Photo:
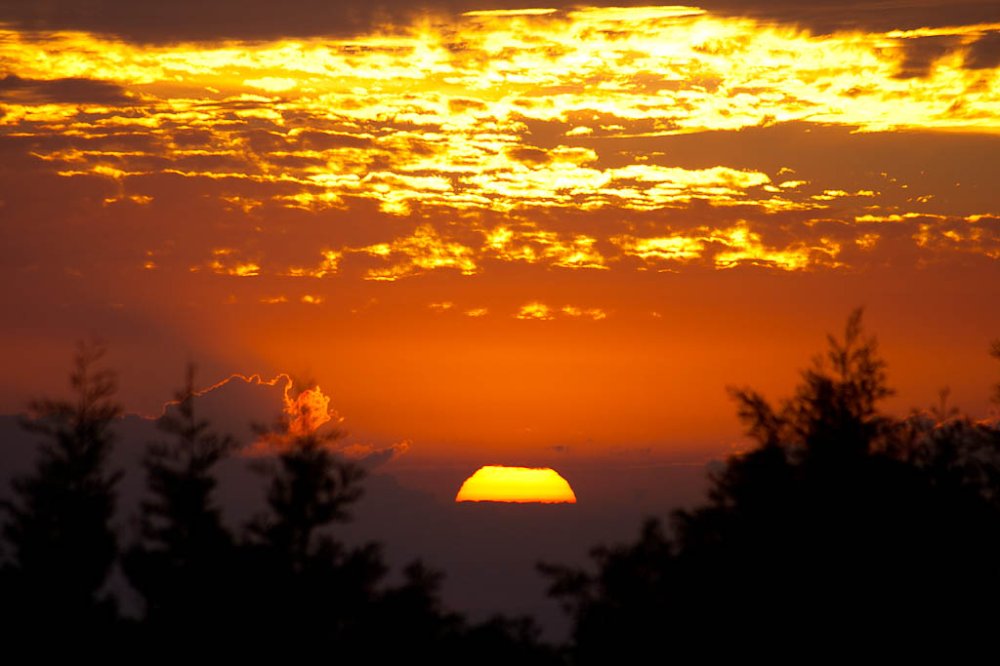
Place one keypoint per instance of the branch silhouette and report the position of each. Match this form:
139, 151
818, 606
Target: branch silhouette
841, 526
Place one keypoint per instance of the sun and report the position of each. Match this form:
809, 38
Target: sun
497, 483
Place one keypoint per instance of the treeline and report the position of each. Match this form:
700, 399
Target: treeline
840, 529
283, 582
840, 532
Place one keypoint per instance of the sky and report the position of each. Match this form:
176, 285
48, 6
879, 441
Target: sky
501, 232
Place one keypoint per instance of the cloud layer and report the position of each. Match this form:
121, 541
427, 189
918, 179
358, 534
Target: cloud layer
186, 20
460, 140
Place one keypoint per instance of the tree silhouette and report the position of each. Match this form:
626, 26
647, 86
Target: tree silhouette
180, 565
301, 581
298, 579
58, 522
834, 415
287, 583
840, 526
310, 488
995, 353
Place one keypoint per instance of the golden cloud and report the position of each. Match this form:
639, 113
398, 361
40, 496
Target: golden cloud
535, 311
492, 119
541, 312
438, 114
423, 251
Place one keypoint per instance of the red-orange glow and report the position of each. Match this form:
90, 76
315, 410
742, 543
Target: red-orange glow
307, 411
506, 233
497, 483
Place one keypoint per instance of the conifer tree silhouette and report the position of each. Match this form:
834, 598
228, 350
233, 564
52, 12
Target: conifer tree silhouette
841, 527
302, 582
180, 564
995, 353
300, 578
287, 583
58, 522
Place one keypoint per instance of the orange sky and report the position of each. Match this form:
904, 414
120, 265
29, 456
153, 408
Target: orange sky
505, 233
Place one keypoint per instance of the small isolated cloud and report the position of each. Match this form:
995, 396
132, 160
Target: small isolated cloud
369, 455
443, 306
232, 405
240, 404
303, 414
535, 311
596, 314
542, 312
477, 312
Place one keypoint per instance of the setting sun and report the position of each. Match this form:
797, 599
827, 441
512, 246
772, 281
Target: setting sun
496, 483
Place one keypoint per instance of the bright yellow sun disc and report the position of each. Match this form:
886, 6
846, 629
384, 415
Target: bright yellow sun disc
496, 483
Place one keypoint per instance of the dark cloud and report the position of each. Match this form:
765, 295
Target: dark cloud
227, 164
458, 105
262, 141
189, 138
834, 15
236, 403
183, 20
370, 456
314, 140
40, 143
529, 154
61, 91
985, 52
296, 161
921, 52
